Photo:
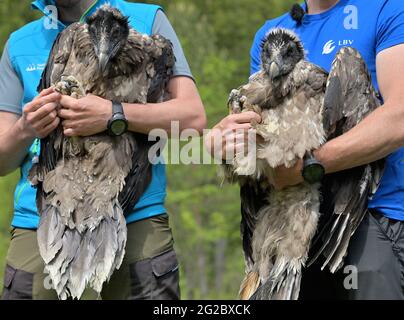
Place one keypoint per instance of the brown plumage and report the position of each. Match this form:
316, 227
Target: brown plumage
87, 184
302, 106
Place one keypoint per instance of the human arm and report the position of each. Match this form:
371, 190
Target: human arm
17, 133
90, 115
19, 128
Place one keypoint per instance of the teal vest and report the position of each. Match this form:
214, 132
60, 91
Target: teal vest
29, 48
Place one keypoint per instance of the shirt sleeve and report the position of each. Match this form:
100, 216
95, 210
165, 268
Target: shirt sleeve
164, 28
11, 89
255, 52
390, 25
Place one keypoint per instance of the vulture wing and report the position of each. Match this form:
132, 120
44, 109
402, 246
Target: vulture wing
139, 176
163, 61
254, 196
51, 146
349, 98
160, 70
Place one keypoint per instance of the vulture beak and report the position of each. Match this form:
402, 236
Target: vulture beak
105, 53
274, 70
103, 59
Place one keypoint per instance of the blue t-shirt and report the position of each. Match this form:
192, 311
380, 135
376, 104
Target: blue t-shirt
370, 26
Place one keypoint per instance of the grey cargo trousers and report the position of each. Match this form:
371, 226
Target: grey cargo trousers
374, 267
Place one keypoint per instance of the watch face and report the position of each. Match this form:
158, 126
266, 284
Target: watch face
313, 173
118, 127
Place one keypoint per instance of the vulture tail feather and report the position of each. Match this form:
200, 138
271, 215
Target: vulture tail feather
336, 240
253, 197
341, 247
283, 282
330, 234
77, 259
249, 285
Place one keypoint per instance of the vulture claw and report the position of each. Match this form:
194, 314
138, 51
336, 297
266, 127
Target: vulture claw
70, 86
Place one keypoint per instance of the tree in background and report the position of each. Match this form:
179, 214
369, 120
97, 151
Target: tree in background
205, 216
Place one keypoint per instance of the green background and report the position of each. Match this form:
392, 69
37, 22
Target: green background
216, 36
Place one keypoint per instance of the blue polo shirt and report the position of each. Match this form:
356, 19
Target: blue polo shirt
370, 26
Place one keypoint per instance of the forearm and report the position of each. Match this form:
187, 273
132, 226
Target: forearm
14, 145
185, 107
377, 136
144, 118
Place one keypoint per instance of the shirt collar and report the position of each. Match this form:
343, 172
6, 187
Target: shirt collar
42, 4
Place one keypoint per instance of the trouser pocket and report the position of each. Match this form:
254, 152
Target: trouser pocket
156, 278
374, 252
17, 284
394, 232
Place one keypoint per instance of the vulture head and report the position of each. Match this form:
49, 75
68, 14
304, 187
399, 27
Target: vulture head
281, 51
108, 30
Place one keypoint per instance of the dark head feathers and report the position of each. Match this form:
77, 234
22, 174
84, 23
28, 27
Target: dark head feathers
105, 13
108, 30
281, 51
297, 13
281, 36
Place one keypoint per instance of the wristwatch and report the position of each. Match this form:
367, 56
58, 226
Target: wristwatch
118, 124
313, 171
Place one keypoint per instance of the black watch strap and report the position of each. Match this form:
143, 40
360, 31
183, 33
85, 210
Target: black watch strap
310, 159
117, 108
118, 124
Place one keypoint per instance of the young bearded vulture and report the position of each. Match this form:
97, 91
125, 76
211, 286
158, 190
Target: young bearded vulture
87, 184
302, 107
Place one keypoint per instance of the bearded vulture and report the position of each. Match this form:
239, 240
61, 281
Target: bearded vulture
86, 185
302, 107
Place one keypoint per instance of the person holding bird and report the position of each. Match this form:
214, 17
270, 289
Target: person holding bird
375, 252
148, 266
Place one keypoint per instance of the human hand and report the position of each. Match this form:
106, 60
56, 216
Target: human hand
39, 117
86, 116
231, 135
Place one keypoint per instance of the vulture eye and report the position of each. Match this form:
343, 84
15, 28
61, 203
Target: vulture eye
269, 52
93, 28
116, 32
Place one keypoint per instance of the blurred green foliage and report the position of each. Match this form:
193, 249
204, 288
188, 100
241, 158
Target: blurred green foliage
216, 37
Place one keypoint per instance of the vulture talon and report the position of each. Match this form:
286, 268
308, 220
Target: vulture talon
70, 86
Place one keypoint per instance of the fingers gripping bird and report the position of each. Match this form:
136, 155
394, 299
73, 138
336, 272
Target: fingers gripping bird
302, 107
87, 184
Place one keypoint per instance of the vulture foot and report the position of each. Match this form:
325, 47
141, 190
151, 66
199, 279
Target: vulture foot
70, 86
236, 102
